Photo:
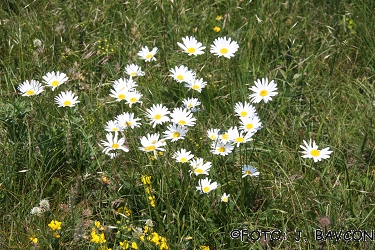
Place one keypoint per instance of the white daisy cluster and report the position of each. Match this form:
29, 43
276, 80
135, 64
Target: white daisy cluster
125, 89
220, 47
53, 80
197, 167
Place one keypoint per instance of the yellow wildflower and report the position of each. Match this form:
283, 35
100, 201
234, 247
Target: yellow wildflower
55, 225
152, 200
34, 240
146, 179
217, 29
219, 17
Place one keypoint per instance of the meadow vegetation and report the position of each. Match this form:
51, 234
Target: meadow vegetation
59, 190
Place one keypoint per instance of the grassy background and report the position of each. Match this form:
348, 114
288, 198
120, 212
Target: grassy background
320, 53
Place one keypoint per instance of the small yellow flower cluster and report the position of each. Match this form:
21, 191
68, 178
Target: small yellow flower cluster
146, 180
160, 241
351, 26
204, 248
124, 210
128, 245
105, 180
103, 47
55, 225
153, 157
218, 18
34, 240
97, 238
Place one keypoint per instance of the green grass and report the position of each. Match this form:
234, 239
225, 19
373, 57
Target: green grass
320, 54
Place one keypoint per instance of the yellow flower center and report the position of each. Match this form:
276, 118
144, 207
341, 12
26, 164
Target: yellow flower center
182, 122
115, 129
115, 145
128, 123
225, 199
180, 77
121, 96
199, 170
243, 113
191, 50
315, 152
248, 172
221, 149
224, 51
132, 73
225, 136
157, 117
206, 189
149, 56
150, 148
263, 93
55, 83
183, 159
240, 139
133, 99
30, 92
213, 137
195, 87
176, 134
249, 126
67, 103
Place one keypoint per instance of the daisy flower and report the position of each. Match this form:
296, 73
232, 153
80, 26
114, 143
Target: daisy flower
224, 47
66, 99
113, 143
148, 55
126, 120
311, 151
238, 137
250, 124
225, 197
198, 167
219, 148
248, 170
182, 155
196, 84
224, 137
152, 143
182, 74
124, 84
182, 117
134, 70
157, 114
244, 109
133, 97
175, 132
191, 46
263, 91
191, 103
30, 88
112, 126
205, 186
213, 134
54, 79
119, 94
